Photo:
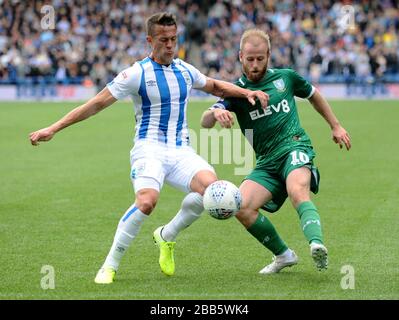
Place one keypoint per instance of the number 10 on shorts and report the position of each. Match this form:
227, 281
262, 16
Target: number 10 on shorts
299, 157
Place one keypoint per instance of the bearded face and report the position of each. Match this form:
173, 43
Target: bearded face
254, 57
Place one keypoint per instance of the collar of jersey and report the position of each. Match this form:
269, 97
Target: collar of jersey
162, 65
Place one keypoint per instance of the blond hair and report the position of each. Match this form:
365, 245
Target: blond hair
254, 33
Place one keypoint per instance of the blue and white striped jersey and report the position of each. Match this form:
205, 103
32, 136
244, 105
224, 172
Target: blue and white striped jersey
160, 94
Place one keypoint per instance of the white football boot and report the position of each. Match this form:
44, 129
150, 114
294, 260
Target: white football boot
319, 254
287, 259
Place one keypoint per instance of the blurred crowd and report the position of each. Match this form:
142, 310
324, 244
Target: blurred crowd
92, 40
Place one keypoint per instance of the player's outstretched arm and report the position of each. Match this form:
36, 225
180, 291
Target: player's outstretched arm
225, 89
99, 102
339, 134
210, 117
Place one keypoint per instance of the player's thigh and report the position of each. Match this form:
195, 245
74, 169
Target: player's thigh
297, 171
298, 175
253, 195
147, 176
188, 166
297, 158
149, 166
298, 185
302, 157
147, 173
270, 182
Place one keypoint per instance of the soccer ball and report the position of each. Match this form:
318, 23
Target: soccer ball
222, 199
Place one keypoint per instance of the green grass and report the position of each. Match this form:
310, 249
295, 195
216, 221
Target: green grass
60, 204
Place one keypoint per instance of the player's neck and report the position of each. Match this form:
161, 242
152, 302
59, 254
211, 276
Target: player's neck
158, 60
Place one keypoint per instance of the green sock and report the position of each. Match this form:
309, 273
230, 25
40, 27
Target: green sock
263, 230
310, 222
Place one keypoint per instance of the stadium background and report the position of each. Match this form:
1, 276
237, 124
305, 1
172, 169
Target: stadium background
60, 202
353, 43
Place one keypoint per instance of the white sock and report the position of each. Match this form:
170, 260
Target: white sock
191, 209
128, 227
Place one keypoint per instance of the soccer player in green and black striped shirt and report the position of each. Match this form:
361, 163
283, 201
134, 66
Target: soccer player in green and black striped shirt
284, 153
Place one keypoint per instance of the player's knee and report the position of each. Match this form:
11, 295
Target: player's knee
247, 216
146, 199
299, 197
146, 205
298, 187
202, 180
298, 190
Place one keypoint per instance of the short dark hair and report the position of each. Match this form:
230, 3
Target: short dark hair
162, 19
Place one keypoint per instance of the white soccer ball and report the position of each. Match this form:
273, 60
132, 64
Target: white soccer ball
222, 199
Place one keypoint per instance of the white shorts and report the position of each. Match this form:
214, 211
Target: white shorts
153, 164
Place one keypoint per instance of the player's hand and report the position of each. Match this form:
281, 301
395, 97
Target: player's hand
224, 117
340, 136
44, 134
260, 95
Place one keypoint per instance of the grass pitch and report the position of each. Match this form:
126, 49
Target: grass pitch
60, 204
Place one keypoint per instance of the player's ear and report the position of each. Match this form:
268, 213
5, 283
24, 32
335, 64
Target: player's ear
149, 40
240, 55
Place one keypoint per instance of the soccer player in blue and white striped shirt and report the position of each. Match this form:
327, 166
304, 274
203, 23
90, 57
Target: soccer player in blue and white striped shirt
160, 87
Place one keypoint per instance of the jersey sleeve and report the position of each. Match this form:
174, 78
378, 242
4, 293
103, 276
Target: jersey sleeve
126, 83
198, 78
301, 87
225, 104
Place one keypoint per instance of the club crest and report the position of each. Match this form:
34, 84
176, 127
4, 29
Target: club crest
279, 84
186, 77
